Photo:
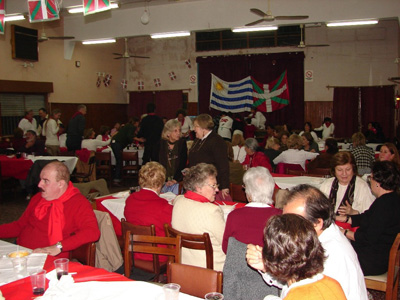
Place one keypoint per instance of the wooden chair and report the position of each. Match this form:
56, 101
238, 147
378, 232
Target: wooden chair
130, 165
194, 241
193, 280
282, 168
135, 243
296, 172
85, 254
388, 282
151, 266
319, 172
237, 193
85, 176
103, 166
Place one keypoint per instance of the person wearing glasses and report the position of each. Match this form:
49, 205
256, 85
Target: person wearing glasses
195, 213
379, 225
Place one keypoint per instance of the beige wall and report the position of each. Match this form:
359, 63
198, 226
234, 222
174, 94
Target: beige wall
71, 84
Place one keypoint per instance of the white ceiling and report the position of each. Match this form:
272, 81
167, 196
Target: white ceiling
195, 15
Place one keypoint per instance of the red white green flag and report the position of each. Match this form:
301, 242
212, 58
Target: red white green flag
43, 10
2, 13
271, 96
95, 6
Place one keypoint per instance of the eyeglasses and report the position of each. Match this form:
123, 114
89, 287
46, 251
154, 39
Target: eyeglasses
214, 186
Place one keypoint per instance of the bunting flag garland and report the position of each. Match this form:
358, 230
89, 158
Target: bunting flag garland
2, 14
188, 63
172, 75
98, 82
157, 82
107, 80
95, 6
140, 85
241, 95
124, 83
43, 10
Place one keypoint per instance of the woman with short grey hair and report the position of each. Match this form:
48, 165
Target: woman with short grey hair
246, 224
255, 158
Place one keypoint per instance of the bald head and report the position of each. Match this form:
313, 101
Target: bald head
54, 180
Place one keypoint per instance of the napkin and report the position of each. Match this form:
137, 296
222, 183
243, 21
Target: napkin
59, 289
169, 196
226, 209
123, 194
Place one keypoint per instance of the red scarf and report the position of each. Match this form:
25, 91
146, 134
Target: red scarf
29, 120
77, 114
328, 124
56, 216
196, 197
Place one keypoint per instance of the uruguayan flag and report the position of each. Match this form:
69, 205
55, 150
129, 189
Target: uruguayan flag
231, 96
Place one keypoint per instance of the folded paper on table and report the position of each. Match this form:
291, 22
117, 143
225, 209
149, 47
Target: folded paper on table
290, 182
115, 206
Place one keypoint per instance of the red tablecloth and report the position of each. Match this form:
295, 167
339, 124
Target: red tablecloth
15, 167
22, 289
117, 223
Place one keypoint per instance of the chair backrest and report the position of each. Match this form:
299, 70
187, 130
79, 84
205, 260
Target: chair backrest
296, 172
320, 171
85, 254
130, 157
194, 241
138, 230
282, 168
150, 245
103, 158
195, 281
237, 193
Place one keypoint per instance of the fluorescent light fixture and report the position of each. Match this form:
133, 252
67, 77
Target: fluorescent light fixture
250, 29
9, 18
170, 34
79, 9
352, 23
104, 41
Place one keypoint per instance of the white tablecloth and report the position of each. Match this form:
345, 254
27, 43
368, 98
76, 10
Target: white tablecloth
290, 182
348, 146
69, 161
115, 290
35, 261
140, 152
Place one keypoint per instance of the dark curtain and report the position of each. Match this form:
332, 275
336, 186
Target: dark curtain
345, 111
167, 103
377, 105
265, 68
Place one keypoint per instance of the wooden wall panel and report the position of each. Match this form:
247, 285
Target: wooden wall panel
97, 114
316, 111
192, 109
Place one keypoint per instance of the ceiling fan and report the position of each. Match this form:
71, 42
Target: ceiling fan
43, 37
268, 17
303, 44
126, 53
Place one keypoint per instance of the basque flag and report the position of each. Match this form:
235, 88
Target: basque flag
43, 10
95, 6
2, 13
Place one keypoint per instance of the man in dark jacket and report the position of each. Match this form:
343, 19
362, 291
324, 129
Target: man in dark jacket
76, 126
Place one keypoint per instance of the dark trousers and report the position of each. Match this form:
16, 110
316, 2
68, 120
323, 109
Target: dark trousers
117, 150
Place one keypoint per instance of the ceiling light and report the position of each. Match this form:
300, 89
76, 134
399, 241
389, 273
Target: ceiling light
352, 23
250, 29
104, 41
9, 18
145, 18
79, 9
170, 34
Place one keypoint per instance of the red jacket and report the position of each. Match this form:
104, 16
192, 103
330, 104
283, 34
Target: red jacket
258, 159
80, 225
145, 208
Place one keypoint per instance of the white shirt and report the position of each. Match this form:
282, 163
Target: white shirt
187, 125
225, 126
62, 139
341, 264
25, 125
363, 197
327, 132
92, 144
295, 156
49, 130
239, 153
259, 120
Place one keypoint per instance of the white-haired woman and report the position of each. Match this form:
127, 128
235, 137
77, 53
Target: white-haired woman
194, 213
246, 224
173, 152
255, 158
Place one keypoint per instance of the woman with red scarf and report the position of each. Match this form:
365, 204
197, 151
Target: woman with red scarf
327, 128
255, 158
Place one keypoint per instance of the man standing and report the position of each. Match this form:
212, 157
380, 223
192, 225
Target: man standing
150, 133
58, 219
43, 117
28, 122
76, 126
341, 260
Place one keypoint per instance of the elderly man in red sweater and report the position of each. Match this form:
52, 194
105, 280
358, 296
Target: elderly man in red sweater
58, 219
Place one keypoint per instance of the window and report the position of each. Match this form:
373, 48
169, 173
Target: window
227, 40
13, 107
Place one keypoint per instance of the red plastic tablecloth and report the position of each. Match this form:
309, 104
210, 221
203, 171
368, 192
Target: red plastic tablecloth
22, 289
15, 167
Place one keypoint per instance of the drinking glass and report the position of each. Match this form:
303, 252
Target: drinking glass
61, 266
171, 291
38, 281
